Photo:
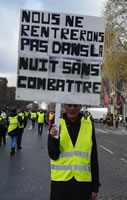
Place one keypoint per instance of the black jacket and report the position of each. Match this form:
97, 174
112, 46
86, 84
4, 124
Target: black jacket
53, 150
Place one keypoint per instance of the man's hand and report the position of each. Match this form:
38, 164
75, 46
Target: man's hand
93, 196
53, 131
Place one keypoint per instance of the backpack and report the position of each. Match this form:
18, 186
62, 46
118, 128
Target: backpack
3, 122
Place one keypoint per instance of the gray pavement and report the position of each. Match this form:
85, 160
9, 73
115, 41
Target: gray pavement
26, 175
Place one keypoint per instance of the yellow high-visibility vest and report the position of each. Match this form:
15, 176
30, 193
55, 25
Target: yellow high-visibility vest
13, 123
4, 119
26, 113
51, 116
40, 117
22, 116
74, 161
33, 115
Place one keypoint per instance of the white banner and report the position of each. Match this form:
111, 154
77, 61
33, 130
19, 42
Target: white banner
60, 57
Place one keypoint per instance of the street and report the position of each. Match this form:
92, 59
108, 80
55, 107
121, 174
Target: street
26, 175
112, 153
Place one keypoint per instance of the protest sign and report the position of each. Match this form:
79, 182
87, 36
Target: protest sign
60, 57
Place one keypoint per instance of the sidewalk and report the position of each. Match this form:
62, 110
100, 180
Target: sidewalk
121, 127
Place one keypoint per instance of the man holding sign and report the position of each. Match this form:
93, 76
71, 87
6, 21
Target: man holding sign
60, 59
74, 161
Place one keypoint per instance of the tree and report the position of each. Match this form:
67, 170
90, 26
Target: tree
116, 14
115, 57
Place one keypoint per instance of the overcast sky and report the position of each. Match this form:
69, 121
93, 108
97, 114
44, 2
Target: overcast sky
9, 25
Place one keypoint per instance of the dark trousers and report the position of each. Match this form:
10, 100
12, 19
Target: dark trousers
3, 135
116, 124
70, 190
46, 123
19, 138
40, 128
33, 123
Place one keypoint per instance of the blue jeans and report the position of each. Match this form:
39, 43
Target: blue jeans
13, 141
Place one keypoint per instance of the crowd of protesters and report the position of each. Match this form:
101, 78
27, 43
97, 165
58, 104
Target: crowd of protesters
14, 120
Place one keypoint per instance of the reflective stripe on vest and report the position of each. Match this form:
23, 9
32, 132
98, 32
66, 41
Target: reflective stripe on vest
70, 167
76, 153
82, 154
66, 154
82, 168
13, 123
74, 161
61, 167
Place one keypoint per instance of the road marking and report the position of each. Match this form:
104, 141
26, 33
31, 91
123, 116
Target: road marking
111, 131
100, 130
30, 127
121, 132
106, 149
123, 160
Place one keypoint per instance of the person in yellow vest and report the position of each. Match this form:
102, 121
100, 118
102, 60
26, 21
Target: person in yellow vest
33, 118
21, 125
74, 160
40, 116
13, 129
89, 115
3, 128
26, 116
46, 119
50, 117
